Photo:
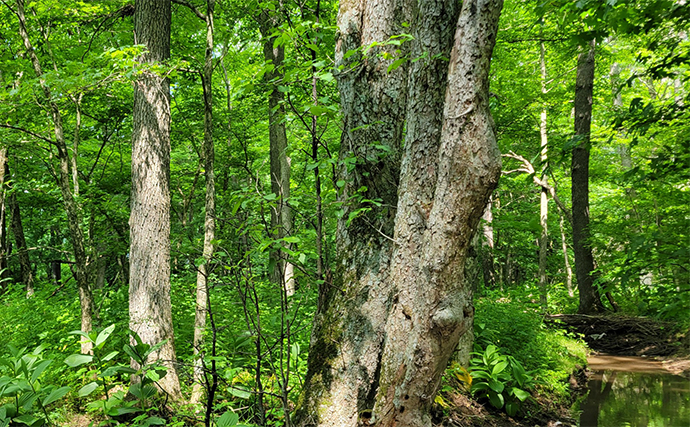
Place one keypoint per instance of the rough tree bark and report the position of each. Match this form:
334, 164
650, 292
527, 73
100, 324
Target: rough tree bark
281, 216
63, 181
347, 337
434, 304
149, 285
488, 269
400, 306
590, 300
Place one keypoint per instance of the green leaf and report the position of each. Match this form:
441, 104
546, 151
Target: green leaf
110, 355
496, 400
228, 419
78, 359
496, 385
105, 333
55, 395
153, 375
512, 408
82, 333
397, 63
87, 389
151, 421
499, 368
39, 369
522, 395
238, 392
27, 419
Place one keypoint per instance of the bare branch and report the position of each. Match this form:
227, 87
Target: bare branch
34, 134
527, 167
191, 7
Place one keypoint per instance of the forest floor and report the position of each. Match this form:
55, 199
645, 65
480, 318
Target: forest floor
612, 335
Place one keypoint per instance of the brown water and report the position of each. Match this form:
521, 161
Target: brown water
634, 392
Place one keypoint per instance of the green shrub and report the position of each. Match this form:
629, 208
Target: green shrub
517, 330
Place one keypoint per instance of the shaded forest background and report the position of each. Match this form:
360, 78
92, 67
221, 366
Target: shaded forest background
277, 204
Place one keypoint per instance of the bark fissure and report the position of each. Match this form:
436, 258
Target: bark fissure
149, 285
399, 305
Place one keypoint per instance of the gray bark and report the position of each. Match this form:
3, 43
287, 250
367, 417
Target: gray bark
149, 285
347, 337
487, 245
281, 215
544, 200
210, 218
400, 305
20, 241
63, 181
590, 300
434, 303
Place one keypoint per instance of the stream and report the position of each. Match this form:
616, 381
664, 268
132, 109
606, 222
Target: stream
627, 391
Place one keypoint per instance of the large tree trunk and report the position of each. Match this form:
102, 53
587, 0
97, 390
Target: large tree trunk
210, 219
149, 284
281, 215
442, 198
347, 338
383, 342
72, 209
590, 300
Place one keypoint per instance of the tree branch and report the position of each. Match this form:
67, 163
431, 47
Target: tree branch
191, 7
34, 134
529, 169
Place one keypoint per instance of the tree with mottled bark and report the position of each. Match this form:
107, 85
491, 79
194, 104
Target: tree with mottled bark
590, 299
62, 177
399, 304
281, 214
203, 270
150, 313
544, 195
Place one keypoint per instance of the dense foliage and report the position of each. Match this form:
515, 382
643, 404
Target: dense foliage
257, 338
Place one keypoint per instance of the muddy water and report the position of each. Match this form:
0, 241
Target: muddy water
634, 392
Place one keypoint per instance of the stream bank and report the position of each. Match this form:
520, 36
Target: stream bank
641, 345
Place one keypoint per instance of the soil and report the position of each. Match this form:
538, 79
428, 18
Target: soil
613, 335
622, 335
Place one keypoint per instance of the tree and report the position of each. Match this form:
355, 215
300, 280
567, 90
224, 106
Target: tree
400, 305
590, 300
281, 215
149, 284
62, 178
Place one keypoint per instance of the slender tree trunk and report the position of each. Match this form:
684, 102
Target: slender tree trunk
315, 159
488, 269
566, 261
590, 300
149, 284
63, 180
281, 216
20, 241
4, 249
544, 196
210, 219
